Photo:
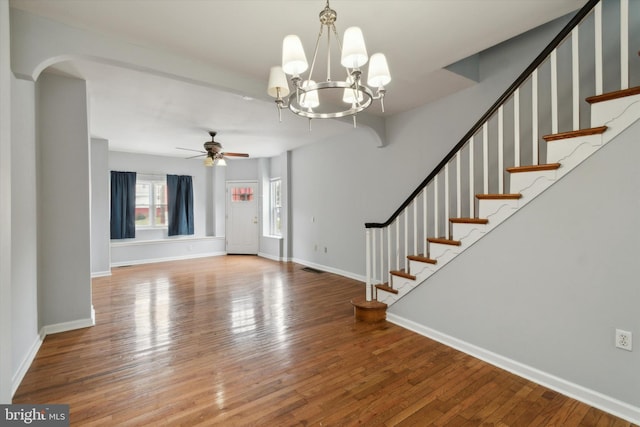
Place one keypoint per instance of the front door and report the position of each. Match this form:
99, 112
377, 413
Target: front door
242, 228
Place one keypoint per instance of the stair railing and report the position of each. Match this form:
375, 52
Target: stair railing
545, 98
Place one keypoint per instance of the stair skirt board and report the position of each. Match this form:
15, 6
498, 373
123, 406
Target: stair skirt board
575, 391
568, 149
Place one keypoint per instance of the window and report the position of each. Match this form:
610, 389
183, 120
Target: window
241, 194
151, 204
276, 207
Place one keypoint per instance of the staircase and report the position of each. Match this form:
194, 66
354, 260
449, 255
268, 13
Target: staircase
496, 169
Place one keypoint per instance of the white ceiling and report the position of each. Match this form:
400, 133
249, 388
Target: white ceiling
140, 112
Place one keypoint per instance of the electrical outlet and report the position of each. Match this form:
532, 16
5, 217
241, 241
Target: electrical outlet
623, 340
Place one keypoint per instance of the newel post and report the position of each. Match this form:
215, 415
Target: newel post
368, 263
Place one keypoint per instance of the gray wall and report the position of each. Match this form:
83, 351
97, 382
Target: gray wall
561, 276
100, 227
64, 274
5, 207
24, 259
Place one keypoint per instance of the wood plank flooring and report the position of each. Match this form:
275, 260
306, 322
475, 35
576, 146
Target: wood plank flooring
240, 340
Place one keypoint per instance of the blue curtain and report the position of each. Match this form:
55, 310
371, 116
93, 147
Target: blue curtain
180, 195
123, 205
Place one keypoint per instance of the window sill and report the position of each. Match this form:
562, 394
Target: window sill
172, 239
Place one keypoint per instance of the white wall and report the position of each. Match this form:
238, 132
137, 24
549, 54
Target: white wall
64, 264
5, 207
24, 221
100, 227
562, 275
155, 245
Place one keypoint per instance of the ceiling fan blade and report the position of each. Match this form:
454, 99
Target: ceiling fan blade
189, 149
197, 155
235, 154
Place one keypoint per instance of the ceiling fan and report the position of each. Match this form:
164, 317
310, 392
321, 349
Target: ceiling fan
214, 153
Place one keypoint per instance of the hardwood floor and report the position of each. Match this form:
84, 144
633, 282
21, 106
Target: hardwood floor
240, 340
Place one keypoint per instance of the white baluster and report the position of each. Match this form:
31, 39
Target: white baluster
472, 196
534, 117
398, 243
500, 150
598, 46
436, 229
624, 44
554, 92
424, 220
374, 264
415, 226
406, 238
446, 199
368, 264
381, 255
516, 128
389, 248
575, 67
485, 158
458, 185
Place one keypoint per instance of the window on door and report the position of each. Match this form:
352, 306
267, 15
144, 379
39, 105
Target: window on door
241, 194
151, 204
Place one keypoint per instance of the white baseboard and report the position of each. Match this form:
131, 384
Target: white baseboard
155, 260
347, 274
271, 257
101, 274
590, 397
70, 326
26, 362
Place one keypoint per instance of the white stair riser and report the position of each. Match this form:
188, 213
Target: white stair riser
617, 115
443, 253
530, 184
468, 233
496, 211
422, 270
571, 152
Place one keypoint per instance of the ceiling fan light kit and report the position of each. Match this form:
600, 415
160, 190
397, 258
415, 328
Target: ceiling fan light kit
326, 99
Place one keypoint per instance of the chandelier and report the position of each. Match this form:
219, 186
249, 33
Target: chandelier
330, 98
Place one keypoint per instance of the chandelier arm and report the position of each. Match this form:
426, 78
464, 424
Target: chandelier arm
315, 53
335, 33
329, 55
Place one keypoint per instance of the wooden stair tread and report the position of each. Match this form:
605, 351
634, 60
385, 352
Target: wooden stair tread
469, 220
614, 95
422, 258
444, 241
574, 133
402, 273
499, 196
387, 288
534, 168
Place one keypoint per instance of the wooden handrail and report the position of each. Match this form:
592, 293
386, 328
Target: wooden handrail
582, 13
